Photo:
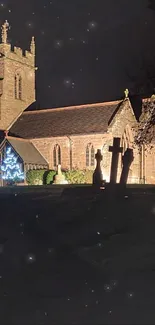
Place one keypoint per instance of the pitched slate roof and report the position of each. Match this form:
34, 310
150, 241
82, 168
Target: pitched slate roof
27, 151
83, 119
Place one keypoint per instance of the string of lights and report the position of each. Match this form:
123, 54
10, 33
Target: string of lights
10, 168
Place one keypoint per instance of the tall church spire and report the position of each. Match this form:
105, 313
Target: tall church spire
4, 33
32, 45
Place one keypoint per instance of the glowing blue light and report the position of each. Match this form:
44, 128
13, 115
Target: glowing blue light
10, 168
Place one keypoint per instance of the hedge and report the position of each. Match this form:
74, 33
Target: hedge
45, 177
36, 177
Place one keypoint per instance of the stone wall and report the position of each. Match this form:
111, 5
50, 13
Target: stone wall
11, 63
149, 166
123, 125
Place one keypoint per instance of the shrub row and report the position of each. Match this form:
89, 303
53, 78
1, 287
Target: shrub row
45, 177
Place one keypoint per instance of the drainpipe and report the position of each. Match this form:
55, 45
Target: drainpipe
70, 152
141, 164
144, 176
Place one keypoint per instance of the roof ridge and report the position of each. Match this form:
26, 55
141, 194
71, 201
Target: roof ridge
45, 110
16, 138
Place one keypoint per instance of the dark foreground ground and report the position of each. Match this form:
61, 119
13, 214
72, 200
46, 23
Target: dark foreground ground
71, 260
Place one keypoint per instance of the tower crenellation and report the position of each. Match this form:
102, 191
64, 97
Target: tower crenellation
17, 79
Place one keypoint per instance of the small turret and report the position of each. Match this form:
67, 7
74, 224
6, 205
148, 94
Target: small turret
32, 46
4, 33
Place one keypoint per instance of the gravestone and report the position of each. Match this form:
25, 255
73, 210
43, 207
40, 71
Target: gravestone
127, 160
59, 178
115, 149
97, 175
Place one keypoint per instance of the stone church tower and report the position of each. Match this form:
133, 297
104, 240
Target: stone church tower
17, 80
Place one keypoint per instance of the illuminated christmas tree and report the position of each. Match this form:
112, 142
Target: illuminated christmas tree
11, 168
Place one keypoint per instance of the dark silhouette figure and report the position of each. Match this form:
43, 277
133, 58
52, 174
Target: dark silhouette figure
115, 149
97, 175
127, 160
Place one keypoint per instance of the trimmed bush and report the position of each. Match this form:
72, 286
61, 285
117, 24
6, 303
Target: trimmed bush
75, 176
41, 177
49, 177
89, 176
35, 177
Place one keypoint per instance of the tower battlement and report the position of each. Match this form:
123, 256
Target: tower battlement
24, 57
17, 79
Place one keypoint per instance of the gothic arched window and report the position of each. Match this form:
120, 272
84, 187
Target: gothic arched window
90, 155
56, 155
87, 156
18, 86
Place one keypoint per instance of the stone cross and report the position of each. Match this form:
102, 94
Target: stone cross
4, 29
59, 178
126, 93
97, 175
127, 160
115, 149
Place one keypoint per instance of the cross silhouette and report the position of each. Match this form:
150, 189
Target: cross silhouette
127, 160
115, 149
97, 175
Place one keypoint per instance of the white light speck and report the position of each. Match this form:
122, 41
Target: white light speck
107, 288
30, 258
92, 25
130, 295
98, 233
114, 283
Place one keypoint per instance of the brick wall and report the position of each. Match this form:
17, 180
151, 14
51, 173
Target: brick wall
77, 144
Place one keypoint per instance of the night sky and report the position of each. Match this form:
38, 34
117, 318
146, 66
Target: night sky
84, 48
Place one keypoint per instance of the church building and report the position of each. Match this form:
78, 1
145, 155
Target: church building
69, 136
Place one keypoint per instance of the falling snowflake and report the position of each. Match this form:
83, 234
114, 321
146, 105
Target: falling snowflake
107, 287
30, 258
130, 295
